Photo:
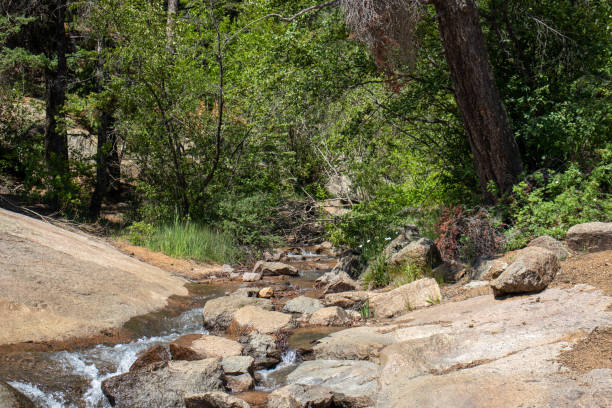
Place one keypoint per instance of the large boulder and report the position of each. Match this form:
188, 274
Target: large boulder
11, 398
214, 399
590, 237
235, 365
548, 242
407, 234
422, 252
330, 316
262, 348
274, 268
488, 269
239, 383
218, 313
201, 346
302, 304
334, 282
357, 379
346, 300
151, 355
532, 270
313, 396
163, 384
420, 293
451, 271
262, 321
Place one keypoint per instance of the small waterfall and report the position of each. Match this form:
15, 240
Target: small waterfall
276, 377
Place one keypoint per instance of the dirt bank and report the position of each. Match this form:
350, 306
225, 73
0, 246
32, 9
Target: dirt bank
56, 284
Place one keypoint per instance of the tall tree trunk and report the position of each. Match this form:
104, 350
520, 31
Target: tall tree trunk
494, 149
172, 9
56, 140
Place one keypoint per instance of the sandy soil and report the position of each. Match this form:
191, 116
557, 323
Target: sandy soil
56, 284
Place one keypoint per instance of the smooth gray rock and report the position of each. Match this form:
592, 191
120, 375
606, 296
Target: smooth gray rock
532, 270
590, 237
239, 383
302, 304
330, 316
235, 365
420, 293
313, 396
263, 349
214, 400
274, 268
218, 313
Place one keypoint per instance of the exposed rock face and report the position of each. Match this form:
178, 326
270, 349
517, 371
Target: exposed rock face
349, 263
488, 269
201, 346
532, 270
214, 399
261, 320
302, 304
152, 355
408, 234
590, 237
422, 252
420, 293
163, 384
334, 282
552, 245
11, 398
251, 277
239, 383
219, 313
235, 365
263, 349
274, 268
357, 379
313, 396
330, 316
346, 300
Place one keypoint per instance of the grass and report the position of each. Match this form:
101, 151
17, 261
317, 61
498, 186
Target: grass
382, 274
185, 240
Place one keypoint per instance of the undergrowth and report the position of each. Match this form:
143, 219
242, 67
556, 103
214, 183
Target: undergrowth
382, 273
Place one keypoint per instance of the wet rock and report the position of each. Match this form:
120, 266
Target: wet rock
488, 269
235, 365
274, 268
330, 316
251, 277
152, 355
163, 384
357, 379
12, 398
420, 293
334, 282
214, 400
313, 396
532, 270
239, 383
262, 321
346, 300
422, 252
552, 245
263, 349
302, 304
201, 346
219, 313
266, 292
590, 237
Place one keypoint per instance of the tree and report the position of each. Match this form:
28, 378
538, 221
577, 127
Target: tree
383, 24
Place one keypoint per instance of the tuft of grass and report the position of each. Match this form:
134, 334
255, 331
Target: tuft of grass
382, 274
185, 240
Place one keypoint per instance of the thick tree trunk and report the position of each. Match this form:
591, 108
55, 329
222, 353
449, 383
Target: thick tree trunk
107, 164
56, 140
494, 149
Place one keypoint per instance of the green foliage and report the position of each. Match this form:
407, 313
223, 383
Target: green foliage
185, 240
549, 203
377, 274
365, 310
381, 273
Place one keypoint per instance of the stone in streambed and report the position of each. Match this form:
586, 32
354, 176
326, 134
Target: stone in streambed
12, 398
420, 293
302, 304
263, 349
274, 268
151, 355
330, 316
214, 400
262, 321
251, 277
201, 346
218, 313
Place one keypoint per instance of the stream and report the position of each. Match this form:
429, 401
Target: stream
73, 378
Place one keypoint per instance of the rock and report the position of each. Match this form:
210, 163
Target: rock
420, 293
552, 245
152, 355
235, 276
422, 252
302, 304
313, 396
330, 316
239, 383
476, 284
346, 300
251, 277
163, 384
334, 282
532, 270
488, 269
274, 268
408, 234
218, 313
12, 398
590, 237
227, 268
263, 349
266, 292
450, 271
349, 263
261, 320
234, 365
357, 379
324, 247
201, 346
214, 399
275, 255
246, 292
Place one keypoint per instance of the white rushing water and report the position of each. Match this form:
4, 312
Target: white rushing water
275, 377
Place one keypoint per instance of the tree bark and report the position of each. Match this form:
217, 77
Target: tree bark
107, 163
495, 152
56, 139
